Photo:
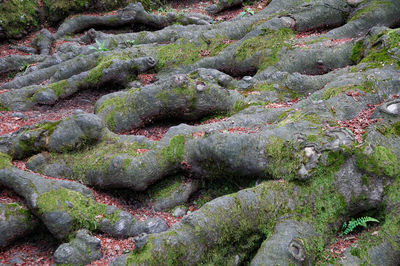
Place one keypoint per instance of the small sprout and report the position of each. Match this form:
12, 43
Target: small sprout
100, 46
130, 43
247, 11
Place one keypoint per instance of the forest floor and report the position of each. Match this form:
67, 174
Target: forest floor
38, 249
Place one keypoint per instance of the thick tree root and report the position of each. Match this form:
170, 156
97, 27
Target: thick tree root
222, 5
15, 221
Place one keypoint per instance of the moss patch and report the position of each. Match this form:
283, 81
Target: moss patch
18, 16
284, 158
357, 52
369, 7
165, 188
380, 53
5, 160
381, 162
272, 40
187, 52
85, 212
366, 87
96, 73
98, 157
173, 153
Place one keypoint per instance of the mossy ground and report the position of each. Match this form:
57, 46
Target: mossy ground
18, 16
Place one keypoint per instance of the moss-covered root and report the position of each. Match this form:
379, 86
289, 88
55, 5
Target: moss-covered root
230, 228
178, 97
287, 245
133, 13
116, 69
43, 42
51, 70
115, 164
73, 132
222, 5
367, 15
15, 222
15, 62
223, 230
64, 211
65, 206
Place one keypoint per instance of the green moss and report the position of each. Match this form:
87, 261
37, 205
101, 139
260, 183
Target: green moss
369, 7
13, 209
379, 54
49, 127
187, 52
323, 204
272, 40
188, 92
59, 87
85, 212
5, 160
63, 8
96, 73
117, 104
312, 138
284, 158
18, 16
357, 52
98, 157
173, 153
143, 255
290, 118
164, 188
381, 162
389, 130
366, 86
4, 108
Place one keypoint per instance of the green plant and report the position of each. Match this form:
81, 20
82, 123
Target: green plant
24, 67
100, 46
130, 43
246, 11
352, 224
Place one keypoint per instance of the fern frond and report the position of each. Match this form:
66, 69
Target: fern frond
352, 224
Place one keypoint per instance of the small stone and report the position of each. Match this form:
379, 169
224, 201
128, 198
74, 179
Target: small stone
140, 240
354, 2
247, 78
16, 260
309, 152
200, 86
69, 204
179, 211
19, 115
